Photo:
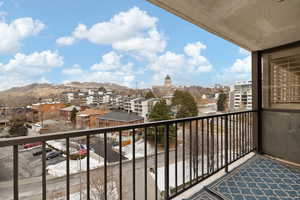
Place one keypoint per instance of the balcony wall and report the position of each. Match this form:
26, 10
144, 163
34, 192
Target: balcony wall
281, 134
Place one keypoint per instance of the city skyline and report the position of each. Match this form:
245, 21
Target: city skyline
46, 44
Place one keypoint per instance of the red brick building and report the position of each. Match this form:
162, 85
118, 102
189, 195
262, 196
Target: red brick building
47, 110
65, 113
87, 118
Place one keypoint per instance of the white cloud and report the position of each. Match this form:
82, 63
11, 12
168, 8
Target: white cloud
168, 63
74, 70
44, 80
196, 61
241, 65
24, 69
109, 69
146, 46
12, 80
133, 32
111, 61
118, 77
120, 27
63, 41
181, 66
240, 70
194, 49
12, 34
33, 64
244, 51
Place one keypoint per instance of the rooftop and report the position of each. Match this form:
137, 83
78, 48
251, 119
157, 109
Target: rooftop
121, 116
70, 108
92, 112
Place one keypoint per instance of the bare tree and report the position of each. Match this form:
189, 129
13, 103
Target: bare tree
98, 186
204, 142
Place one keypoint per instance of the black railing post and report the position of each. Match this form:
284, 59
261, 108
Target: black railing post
68, 168
16, 171
166, 148
226, 143
44, 182
145, 163
87, 167
156, 143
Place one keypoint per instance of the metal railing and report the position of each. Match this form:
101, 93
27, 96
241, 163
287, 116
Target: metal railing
193, 149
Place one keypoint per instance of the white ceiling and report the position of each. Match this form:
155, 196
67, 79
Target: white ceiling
251, 24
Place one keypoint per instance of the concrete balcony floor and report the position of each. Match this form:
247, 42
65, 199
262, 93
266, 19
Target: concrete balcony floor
259, 178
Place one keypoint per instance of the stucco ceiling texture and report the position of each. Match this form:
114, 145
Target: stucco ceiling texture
251, 24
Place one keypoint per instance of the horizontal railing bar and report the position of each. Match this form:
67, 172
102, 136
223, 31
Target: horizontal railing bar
68, 134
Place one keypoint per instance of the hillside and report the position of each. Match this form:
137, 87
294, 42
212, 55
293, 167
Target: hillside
22, 96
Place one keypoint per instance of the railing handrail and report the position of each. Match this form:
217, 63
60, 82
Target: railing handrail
78, 133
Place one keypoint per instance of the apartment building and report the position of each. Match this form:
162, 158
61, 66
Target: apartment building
240, 96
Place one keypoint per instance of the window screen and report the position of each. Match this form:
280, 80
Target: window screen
284, 80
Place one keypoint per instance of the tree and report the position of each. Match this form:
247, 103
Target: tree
185, 104
102, 89
17, 126
73, 116
149, 95
160, 111
98, 186
221, 103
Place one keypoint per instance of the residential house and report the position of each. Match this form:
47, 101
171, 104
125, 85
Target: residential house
47, 110
87, 118
65, 113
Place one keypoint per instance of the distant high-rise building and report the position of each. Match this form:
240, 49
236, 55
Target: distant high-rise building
241, 95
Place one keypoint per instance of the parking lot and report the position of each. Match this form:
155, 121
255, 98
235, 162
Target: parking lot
97, 144
29, 165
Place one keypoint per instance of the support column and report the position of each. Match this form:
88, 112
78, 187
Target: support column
257, 100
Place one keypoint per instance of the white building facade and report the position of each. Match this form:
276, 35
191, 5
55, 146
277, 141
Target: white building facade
241, 95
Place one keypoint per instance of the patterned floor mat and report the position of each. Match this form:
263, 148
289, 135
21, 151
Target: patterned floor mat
260, 178
203, 195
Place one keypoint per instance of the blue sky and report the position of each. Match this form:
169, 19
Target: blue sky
125, 42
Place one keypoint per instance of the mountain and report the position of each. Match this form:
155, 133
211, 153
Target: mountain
198, 91
26, 95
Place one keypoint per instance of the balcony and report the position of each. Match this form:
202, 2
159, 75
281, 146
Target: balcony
224, 156
184, 153
194, 152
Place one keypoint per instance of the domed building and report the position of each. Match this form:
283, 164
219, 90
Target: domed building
168, 81
165, 91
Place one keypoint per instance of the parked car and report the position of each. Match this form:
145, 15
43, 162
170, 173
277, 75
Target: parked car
51, 155
82, 152
40, 152
30, 145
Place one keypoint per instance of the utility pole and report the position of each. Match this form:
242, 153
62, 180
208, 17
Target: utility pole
136, 89
5, 116
42, 119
